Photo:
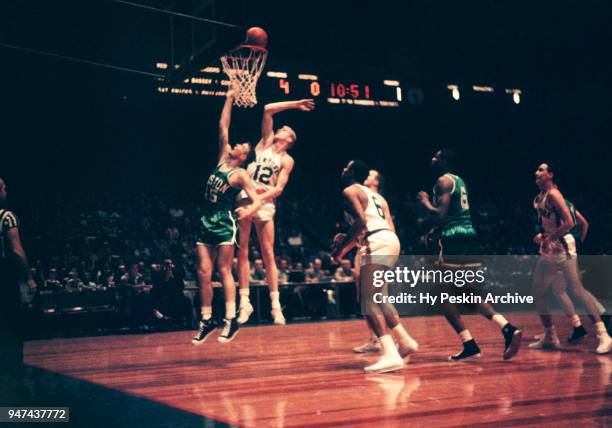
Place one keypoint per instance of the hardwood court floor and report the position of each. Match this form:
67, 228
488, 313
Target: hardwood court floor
306, 375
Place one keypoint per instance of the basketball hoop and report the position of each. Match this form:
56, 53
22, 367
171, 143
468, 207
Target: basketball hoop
243, 66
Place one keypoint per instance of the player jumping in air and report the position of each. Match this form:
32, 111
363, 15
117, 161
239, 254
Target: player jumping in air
270, 172
457, 237
380, 249
218, 227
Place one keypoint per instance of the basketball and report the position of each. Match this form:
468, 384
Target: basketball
257, 37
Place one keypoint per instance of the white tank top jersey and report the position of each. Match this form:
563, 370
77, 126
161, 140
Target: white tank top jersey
265, 169
374, 213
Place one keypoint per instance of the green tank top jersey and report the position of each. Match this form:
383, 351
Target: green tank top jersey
219, 195
577, 229
458, 222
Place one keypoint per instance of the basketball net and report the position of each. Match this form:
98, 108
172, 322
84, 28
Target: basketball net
243, 66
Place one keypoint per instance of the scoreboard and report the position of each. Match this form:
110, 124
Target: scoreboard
274, 84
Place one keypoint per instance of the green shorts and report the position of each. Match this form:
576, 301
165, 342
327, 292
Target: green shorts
458, 250
218, 228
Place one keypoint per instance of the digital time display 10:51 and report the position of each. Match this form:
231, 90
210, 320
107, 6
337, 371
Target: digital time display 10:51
387, 93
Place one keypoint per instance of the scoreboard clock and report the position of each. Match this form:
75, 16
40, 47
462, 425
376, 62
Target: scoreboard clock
211, 81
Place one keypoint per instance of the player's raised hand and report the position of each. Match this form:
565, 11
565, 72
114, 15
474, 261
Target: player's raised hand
232, 90
306, 105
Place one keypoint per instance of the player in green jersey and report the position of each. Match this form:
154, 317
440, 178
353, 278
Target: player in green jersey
457, 237
218, 225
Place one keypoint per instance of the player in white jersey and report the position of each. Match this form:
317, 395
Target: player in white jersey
270, 172
380, 249
559, 288
374, 182
558, 253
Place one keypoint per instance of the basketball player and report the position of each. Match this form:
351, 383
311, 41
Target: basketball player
558, 253
270, 172
559, 288
217, 235
457, 237
375, 183
380, 249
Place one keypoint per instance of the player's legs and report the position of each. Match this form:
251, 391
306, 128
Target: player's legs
445, 252
244, 270
224, 267
406, 344
372, 345
559, 290
544, 275
470, 348
265, 235
206, 257
391, 359
574, 284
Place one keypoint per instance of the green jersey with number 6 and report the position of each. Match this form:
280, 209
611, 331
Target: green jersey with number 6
218, 225
458, 222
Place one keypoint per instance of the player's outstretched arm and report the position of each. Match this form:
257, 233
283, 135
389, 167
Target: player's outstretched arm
444, 187
287, 163
242, 180
224, 124
267, 123
584, 224
355, 208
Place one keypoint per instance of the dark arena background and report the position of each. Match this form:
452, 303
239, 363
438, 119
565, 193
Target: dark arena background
106, 158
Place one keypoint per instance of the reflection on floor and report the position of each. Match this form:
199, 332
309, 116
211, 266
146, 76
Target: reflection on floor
306, 375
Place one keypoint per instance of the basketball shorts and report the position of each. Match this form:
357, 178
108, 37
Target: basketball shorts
458, 250
561, 249
265, 213
380, 248
218, 228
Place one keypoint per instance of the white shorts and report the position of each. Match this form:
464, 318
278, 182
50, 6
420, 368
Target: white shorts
265, 213
562, 249
380, 248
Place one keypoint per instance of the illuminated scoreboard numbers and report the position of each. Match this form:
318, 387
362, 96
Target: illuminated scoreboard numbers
315, 89
353, 90
285, 86
210, 81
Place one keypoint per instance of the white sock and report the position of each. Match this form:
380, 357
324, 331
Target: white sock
275, 299
373, 338
601, 328
402, 335
206, 312
230, 310
465, 336
244, 296
575, 320
499, 320
388, 346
